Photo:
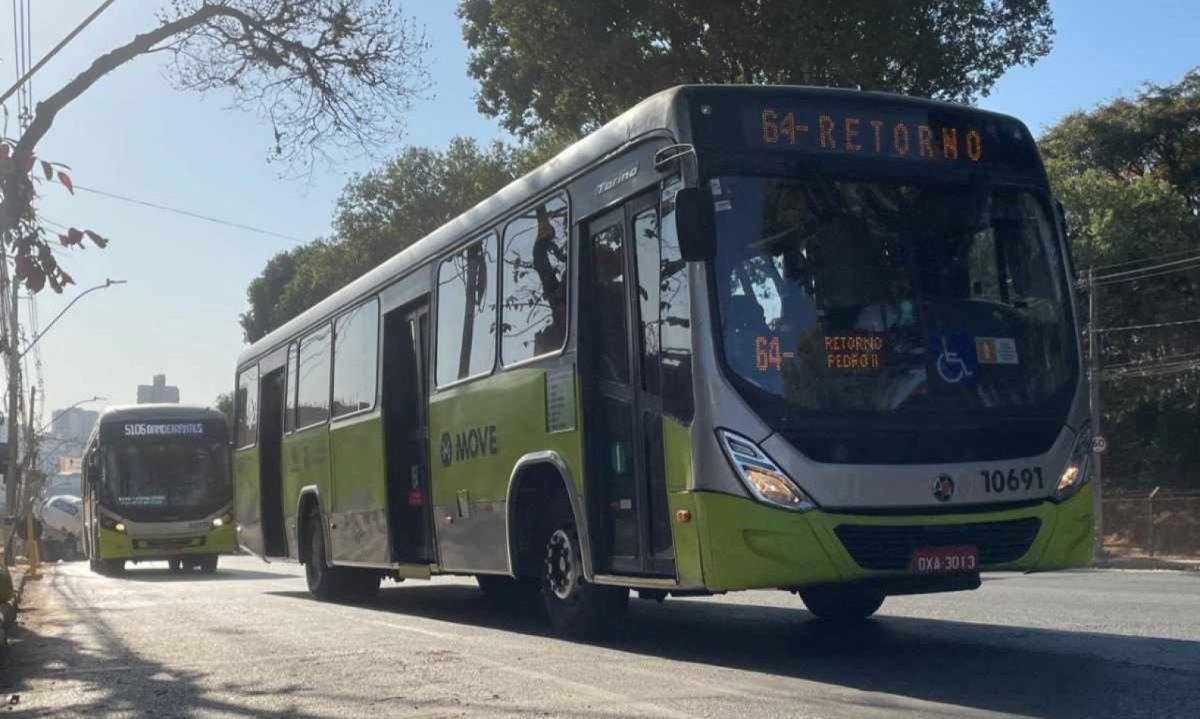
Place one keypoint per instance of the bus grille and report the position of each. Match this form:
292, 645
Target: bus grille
168, 543
890, 547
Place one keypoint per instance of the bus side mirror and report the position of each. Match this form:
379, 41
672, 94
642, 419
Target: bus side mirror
695, 224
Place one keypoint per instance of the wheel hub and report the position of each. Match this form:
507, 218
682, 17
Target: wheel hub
562, 565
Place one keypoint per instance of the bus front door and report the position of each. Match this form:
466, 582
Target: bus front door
622, 408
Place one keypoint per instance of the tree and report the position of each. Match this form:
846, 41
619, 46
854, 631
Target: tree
327, 74
573, 65
379, 214
1128, 175
224, 403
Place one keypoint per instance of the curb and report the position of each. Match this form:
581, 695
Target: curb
1179, 565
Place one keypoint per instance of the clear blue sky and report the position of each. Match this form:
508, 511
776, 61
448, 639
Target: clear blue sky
133, 135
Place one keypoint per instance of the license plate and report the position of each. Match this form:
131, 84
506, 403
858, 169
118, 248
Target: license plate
945, 560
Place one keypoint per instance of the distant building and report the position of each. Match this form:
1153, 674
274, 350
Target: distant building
63, 445
73, 425
160, 391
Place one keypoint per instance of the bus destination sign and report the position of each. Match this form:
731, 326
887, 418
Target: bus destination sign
919, 135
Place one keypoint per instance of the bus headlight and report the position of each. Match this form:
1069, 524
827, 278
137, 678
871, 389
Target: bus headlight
1078, 469
765, 480
112, 524
222, 520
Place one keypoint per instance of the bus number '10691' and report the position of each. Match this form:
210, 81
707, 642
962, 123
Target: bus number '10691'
997, 481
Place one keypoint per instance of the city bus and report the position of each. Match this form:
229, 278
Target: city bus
157, 486
740, 337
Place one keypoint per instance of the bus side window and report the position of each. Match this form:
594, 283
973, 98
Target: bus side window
289, 401
534, 276
312, 403
675, 321
355, 355
246, 405
466, 312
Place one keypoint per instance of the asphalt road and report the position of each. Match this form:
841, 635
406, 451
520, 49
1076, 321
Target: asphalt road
249, 642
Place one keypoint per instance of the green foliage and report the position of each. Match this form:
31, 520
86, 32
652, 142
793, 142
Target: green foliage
1128, 175
224, 403
573, 65
379, 214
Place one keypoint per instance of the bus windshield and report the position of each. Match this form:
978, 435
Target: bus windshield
886, 299
176, 476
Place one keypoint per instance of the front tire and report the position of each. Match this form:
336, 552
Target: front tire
577, 608
208, 564
113, 567
842, 604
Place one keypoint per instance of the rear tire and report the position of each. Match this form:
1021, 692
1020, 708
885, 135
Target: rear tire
329, 583
842, 604
577, 608
318, 573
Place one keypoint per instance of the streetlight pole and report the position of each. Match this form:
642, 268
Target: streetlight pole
13, 464
57, 317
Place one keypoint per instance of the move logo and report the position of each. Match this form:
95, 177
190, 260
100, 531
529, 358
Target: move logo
447, 449
472, 443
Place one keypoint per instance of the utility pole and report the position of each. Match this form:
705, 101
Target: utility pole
1094, 379
12, 354
31, 542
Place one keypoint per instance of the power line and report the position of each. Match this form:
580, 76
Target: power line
1147, 327
1155, 371
1140, 270
1194, 264
1186, 356
1152, 258
54, 50
189, 213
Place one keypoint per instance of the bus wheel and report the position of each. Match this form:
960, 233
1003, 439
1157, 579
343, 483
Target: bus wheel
318, 574
175, 564
207, 563
577, 608
113, 567
842, 604
95, 565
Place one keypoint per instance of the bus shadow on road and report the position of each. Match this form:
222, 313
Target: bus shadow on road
164, 575
1028, 671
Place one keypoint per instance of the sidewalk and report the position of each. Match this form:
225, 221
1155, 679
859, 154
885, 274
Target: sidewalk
8, 609
1145, 561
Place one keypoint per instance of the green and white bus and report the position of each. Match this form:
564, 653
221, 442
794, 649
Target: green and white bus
156, 486
739, 337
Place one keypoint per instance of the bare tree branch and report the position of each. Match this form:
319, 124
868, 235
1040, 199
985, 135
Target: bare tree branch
327, 74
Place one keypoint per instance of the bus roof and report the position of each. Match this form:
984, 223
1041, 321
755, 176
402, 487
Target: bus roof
152, 412
657, 112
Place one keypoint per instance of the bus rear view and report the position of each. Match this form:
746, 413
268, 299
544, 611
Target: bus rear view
156, 486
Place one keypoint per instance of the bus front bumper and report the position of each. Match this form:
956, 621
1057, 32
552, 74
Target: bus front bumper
131, 545
744, 544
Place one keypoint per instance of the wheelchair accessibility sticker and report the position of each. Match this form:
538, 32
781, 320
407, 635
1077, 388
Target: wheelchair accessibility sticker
955, 357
